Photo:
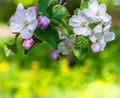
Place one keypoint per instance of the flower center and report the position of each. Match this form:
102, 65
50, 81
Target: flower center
25, 23
97, 13
83, 23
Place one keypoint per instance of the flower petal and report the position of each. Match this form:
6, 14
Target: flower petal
110, 36
32, 25
93, 38
102, 8
16, 28
30, 14
74, 21
102, 43
20, 6
82, 31
98, 29
105, 17
25, 33
93, 5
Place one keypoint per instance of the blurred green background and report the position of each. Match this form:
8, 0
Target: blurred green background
37, 75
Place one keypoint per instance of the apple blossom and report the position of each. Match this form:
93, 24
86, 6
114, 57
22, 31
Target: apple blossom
66, 45
102, 35
97, 12
117, 2
79, 24
24, 21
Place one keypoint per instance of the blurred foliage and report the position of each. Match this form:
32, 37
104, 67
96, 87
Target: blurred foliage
37, 75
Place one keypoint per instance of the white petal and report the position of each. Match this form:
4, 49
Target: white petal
98, 29
89, 13
106, 28
16, 28
105, 17
20, 6
25, 33
33, 25
102, 8
117, 2
93, 5
19, 15
82, 31
110, 36
74, 21
30, 14
93, 38
63, 48
102, 46
102, 43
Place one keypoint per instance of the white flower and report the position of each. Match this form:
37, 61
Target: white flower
102, 35
117, 2
97, 12
96, 34
79, 24
66, 46
23, 21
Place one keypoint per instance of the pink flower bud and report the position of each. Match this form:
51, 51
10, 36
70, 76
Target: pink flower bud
28, 43
54, 55
35, 8
43, 21
96, 47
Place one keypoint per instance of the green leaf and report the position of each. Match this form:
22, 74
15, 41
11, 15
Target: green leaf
84, 4
81, 47
59, 12
44, 4
93, 25
37, 41
11, 49
63, 24
49, 34
76, 11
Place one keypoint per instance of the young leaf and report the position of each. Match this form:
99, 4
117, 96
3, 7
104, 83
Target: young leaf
59, 12
76, 11
81, 47
93, 25
44, 4
84, 4
11, 49
63, 24
49, 34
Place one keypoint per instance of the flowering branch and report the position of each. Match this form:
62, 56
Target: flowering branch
53, 21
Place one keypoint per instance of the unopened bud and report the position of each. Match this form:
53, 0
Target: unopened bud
96, 47
28, 43
54, 55
43, 21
